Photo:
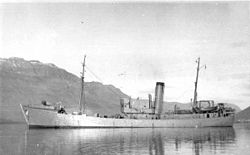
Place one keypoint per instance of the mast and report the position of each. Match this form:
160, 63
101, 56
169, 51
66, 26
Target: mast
82, 97
196, 83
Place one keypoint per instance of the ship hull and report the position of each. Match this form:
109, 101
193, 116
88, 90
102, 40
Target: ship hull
36, 117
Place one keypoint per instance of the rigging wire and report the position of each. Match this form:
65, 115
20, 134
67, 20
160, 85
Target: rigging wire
98, 78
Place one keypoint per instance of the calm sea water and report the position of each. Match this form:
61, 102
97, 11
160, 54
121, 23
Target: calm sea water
18, 139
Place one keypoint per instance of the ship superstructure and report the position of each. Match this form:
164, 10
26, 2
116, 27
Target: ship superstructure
152, 110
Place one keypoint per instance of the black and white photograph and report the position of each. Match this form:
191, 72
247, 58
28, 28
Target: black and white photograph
120, 77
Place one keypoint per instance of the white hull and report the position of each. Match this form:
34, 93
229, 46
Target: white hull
47, 118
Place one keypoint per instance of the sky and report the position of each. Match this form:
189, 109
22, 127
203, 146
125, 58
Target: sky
135, 44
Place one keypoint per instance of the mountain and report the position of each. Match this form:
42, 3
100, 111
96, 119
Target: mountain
243, 116
30, 82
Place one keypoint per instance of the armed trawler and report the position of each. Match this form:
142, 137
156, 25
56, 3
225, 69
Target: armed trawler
203, 113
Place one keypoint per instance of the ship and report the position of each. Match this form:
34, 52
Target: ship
204, 113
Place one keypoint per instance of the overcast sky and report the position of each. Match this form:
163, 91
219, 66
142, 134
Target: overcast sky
134, 45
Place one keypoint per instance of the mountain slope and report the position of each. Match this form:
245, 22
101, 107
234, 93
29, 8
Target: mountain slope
244, 115
30, 82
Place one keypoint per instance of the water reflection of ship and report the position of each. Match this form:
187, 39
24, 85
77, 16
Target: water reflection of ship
129, 141
201, 140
